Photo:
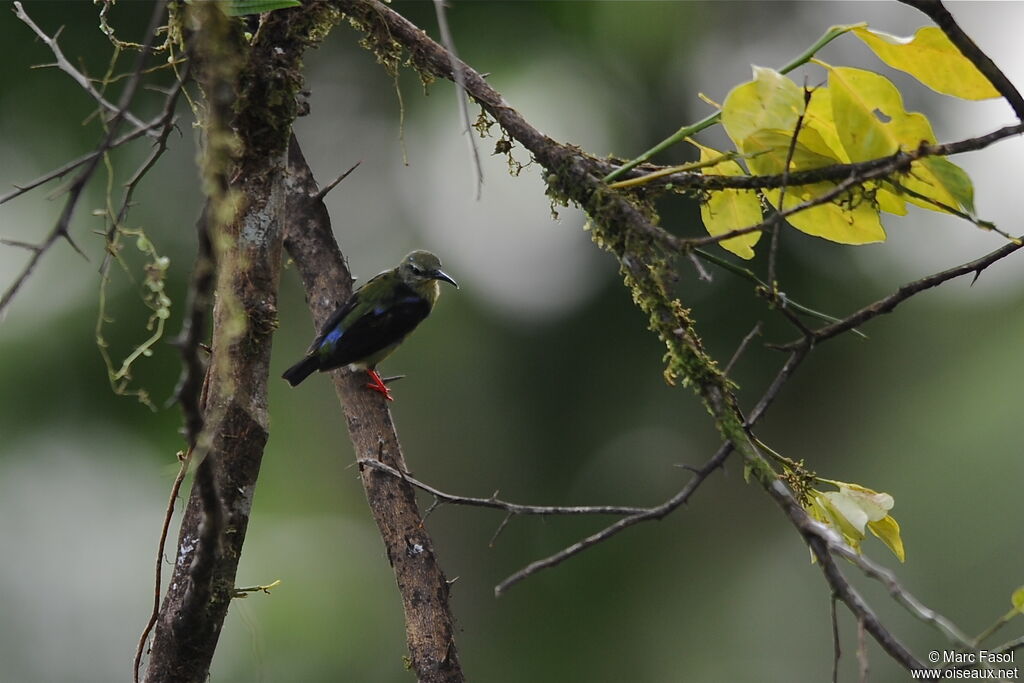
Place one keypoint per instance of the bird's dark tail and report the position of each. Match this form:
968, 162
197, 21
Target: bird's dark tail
301, 370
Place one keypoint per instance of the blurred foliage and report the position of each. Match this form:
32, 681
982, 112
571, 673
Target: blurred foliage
561, 401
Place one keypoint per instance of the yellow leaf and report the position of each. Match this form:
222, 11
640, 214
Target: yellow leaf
819, 117
931, 58
856, 224
769, 148
730, 209
888, 531
769, 101
871, 123
760, 117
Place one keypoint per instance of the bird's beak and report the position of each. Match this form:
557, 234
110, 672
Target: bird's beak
441, 275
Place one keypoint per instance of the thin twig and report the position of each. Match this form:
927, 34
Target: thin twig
319, 196
898, 162
887, 304
657, 512
60, 228
83, 81
862, 651
460, 93
140, 649
702, 272
69, 166
744, 343
159, 147
836, 648
779, 299
496, 503
773, 247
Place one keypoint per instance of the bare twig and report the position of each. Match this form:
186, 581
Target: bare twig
670, 505
761, 288
702, 272
319, 196
777, 224
460, 93
498, 504
81, 79
60, 229
140, 648
657, 512
167, 123
69, 166
836, 647
862, 651
744, 343
887, 304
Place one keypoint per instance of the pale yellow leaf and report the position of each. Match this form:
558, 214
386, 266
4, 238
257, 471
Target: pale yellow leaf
872, 123
931, 58
888, 530
728, 210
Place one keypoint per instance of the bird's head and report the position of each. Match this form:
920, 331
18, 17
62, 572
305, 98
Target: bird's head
422, 266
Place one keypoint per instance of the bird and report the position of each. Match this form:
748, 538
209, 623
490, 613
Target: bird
378, 317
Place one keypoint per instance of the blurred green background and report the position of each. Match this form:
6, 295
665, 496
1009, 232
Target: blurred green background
537, 378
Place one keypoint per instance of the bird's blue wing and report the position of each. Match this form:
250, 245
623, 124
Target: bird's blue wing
375, 330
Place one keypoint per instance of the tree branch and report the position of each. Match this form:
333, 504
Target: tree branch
620, 225
429, 623
887, 304
250, 88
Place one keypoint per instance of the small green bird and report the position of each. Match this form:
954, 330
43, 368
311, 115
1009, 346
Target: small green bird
375, 320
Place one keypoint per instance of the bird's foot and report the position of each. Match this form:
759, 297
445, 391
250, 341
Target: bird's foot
377, 384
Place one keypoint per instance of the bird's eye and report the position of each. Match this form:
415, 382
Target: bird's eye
417, 270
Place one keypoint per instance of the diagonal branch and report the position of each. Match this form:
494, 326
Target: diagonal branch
430, 626
887, 304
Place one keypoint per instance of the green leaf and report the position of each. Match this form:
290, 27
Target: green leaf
931, 58
730, 209
1017, 599
952, 178
238, 8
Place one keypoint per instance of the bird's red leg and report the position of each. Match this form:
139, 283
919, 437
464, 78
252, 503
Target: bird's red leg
377, 384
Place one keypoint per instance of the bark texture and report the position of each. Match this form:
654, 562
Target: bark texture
250, 89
